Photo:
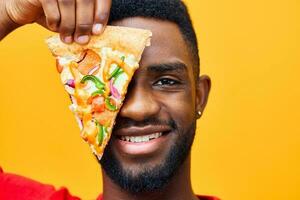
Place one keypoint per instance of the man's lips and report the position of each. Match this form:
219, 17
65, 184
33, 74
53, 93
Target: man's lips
135, 141
142, 131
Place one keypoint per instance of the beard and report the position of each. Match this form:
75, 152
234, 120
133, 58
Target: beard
155, 178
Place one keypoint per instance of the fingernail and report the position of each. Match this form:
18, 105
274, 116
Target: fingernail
68, 39
83, 39
97, 28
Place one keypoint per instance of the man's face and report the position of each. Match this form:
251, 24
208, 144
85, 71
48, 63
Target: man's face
156, 125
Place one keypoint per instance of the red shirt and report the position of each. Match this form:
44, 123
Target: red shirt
15, 187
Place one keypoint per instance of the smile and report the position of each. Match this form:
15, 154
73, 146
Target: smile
141, 141
145, 138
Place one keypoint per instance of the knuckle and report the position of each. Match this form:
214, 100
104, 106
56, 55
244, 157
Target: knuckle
49, 2
53, 19
67, 29
84, 28
86, 1
66, 2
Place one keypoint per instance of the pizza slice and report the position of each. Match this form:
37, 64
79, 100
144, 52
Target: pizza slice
96, 77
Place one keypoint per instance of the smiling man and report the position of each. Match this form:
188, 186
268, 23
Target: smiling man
148, 156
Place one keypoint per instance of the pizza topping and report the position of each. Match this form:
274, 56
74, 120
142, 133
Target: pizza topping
81, 96
74, 71
79, 122
115, 67
89, 61
114, 91
120, 81
70, 83
118, 74
90, 130
59, 68
131, 61
110, 104
97, 92
95, 80
82, 110
98, 104
115, 72
100, 135
123, 58
99, 108
96, 76
93, 70
104, 118
97, 89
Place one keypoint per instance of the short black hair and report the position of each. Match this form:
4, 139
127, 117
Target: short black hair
171, 10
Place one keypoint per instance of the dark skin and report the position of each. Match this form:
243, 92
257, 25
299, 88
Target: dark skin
164, 86
74, 20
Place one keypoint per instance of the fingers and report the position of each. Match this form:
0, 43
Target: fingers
84, 20
102, 10
76, 20
67, 21
52, 14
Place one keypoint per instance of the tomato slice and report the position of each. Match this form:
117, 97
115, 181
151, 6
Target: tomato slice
104, 118
98, 104
99, 108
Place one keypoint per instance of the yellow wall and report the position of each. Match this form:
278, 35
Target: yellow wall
248, 142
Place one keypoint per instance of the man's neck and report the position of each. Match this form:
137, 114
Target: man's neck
179, 187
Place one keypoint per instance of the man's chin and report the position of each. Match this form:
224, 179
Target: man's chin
147, 175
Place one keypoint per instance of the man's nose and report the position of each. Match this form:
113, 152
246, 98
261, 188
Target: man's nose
139, 104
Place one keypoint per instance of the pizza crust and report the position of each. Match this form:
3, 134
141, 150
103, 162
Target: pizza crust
110, 45
128, 40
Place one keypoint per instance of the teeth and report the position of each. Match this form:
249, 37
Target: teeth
145, 138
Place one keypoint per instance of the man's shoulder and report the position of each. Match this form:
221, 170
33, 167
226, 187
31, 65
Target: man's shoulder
13, 186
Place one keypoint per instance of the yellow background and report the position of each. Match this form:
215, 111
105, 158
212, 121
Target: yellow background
248, 141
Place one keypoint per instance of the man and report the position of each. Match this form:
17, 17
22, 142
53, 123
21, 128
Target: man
165, 96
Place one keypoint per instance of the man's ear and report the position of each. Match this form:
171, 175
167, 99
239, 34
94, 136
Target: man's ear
203, 85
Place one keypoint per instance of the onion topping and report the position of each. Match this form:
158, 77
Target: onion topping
114, 91
79, 122
93, 70
70, 83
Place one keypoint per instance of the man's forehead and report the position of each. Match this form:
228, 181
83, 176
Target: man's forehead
167, 43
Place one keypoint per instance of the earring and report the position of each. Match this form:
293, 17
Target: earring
199, 113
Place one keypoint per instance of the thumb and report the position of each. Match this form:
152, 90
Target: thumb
23, 11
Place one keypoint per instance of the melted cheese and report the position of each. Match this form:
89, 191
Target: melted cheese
81, 94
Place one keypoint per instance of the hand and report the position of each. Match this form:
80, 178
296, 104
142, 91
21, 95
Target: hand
75, 20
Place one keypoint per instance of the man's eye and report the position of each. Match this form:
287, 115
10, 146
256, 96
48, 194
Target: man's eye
166, 82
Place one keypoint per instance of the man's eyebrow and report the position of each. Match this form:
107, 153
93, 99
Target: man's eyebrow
179, 67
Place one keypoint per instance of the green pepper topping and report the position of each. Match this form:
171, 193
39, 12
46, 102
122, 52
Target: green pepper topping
115, 72
97, 92
94, 79
123, 58
109, 106
118, 74
101, 130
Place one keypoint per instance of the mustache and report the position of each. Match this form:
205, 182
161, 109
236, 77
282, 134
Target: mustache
154, 121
